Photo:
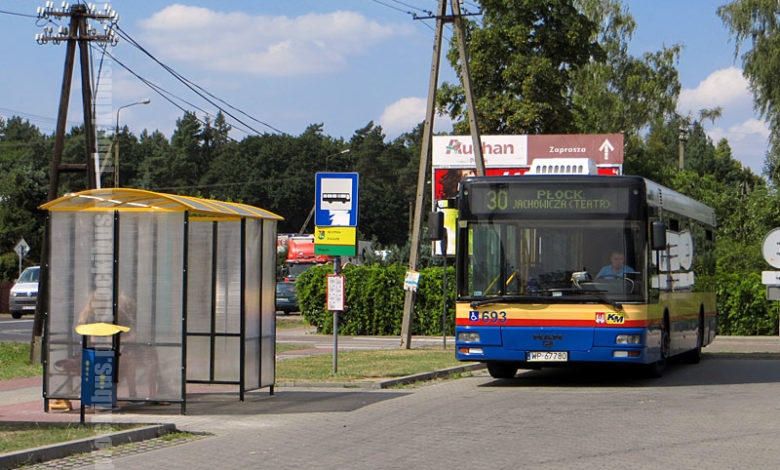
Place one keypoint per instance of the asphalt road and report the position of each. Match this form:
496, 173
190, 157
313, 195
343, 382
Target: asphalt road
15, 330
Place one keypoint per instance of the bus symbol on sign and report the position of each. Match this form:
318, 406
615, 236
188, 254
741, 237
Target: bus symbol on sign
335, 197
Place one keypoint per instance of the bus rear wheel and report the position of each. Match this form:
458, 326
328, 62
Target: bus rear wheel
501, 370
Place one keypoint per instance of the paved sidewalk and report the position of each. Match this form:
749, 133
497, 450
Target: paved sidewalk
209, 407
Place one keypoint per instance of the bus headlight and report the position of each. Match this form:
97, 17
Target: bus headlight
468, 337
628, 339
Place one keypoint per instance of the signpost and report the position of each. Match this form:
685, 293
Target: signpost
21, 249
771, 251
335, 234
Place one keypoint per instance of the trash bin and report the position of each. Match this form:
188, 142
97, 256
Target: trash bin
99, 365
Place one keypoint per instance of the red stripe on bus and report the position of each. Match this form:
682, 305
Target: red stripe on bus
572, 323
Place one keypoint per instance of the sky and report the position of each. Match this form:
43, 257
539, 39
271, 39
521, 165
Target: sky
281, 66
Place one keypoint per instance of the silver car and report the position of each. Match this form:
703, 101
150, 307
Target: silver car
24, 294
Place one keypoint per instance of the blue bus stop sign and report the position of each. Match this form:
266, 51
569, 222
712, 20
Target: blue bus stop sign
336, 203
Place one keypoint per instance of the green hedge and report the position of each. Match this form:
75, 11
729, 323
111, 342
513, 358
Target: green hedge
742, 306
375, 300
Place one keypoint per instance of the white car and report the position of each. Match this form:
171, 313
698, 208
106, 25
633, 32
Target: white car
24, 294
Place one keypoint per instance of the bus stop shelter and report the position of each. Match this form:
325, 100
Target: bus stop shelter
192, 278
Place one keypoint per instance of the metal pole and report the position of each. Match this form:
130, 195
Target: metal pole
443, 243
116, 138
336, 270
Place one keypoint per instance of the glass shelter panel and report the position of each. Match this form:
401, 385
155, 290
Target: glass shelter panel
252, 273
147, 287
200, 265
150, 284
79, 242
268, 305
228, 278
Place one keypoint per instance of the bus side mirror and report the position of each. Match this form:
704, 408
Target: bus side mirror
436, 226
658, 235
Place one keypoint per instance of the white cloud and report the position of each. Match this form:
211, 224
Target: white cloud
748, 141
405, 114
728, 89
262, 45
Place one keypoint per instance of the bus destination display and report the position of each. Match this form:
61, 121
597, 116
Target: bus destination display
553, 199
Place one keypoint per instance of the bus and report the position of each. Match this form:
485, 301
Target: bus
528, 253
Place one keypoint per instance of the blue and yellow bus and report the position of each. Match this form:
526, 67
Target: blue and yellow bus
528, 257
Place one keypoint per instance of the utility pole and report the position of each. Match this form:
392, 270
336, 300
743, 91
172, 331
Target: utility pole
683, 139
427, 141
79, 31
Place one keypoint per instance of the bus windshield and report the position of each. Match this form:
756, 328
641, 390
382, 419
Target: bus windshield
578, 260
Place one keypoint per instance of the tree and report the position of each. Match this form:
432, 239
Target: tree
383, 169
152, 171
522, 59
621, 93
186, 162
24, 185
755, 25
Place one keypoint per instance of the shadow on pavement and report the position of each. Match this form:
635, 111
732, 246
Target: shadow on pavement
714, 369
262, 403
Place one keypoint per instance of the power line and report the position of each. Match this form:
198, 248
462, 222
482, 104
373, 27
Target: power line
13, 13
195, 88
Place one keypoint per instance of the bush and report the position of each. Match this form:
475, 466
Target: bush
374, 300
742, 306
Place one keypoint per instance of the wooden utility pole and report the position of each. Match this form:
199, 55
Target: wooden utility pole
427, 143
77, 32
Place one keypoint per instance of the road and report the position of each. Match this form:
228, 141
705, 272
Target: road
720, 414
16, 330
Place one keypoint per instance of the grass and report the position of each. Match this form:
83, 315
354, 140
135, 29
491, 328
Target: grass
15, 362
355, 366
20, 436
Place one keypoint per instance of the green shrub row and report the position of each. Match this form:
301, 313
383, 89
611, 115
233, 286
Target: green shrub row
374, 300
743, 308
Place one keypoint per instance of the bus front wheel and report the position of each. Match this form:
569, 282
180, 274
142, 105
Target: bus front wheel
501, 370
656, 369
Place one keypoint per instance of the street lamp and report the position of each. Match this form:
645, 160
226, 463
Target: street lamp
333, 155
116, 139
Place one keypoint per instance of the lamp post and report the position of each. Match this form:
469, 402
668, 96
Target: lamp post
116, 138
333, 155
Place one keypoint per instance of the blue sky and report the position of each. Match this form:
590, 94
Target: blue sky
342, 63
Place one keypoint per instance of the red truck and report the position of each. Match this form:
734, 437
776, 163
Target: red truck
300, 255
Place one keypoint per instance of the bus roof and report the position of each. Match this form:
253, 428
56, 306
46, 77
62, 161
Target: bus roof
669, 199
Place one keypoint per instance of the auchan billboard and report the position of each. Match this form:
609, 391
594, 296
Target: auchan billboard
453, 155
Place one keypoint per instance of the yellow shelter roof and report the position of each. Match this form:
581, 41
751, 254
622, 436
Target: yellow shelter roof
139, 200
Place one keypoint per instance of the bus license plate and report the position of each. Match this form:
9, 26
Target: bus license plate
548, 356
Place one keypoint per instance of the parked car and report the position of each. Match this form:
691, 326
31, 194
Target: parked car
286, 297
24, 293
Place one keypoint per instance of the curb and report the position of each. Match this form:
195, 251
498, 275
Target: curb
382, 384
82, 446
742, 355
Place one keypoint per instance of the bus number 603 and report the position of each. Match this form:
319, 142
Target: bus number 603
487, 316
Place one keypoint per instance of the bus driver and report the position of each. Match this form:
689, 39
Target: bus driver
616, 268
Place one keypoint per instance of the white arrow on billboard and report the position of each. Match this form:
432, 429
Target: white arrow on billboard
606, 147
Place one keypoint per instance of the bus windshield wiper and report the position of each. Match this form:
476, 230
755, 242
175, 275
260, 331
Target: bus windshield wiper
535, 299
519, 299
